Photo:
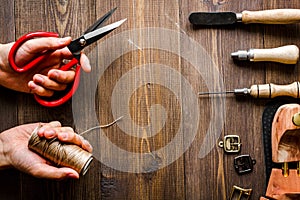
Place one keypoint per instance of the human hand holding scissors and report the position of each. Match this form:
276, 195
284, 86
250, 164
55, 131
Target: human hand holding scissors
91, 35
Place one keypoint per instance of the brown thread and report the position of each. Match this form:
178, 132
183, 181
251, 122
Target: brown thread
62, 154
102, 126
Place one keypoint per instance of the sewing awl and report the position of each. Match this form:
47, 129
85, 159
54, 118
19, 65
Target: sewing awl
269, 90
275, 16
288, 54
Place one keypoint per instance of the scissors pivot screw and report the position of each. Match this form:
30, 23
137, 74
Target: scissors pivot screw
82, 42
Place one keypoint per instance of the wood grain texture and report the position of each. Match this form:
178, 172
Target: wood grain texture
152, 48
8, 108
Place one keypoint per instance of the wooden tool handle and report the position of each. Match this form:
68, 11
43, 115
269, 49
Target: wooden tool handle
277, 16
288, 54
280, 187
272, 90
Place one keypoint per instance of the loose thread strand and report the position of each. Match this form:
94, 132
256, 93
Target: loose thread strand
102, 126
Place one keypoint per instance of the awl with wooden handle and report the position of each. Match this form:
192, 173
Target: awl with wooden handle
288, 54
276, 16
265, 91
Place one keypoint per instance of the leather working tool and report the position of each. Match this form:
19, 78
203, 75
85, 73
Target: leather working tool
269, 90
91, 35
288, 54
281, 141
276, 16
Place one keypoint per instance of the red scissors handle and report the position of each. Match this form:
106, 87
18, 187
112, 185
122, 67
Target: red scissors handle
34, 63
18, 44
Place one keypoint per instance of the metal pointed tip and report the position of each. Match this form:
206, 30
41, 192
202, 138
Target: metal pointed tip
203, 93
101, 32
112, 11
209, 93
122, 21
234, 55
100, 21
118, 23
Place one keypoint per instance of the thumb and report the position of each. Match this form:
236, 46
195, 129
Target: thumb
46, 43
85, 63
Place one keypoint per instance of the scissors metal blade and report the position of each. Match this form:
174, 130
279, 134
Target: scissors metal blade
101, 32
78, 44
99, 22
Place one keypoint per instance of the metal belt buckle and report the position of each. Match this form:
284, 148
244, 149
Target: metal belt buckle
244, 164
231, 144
237, 193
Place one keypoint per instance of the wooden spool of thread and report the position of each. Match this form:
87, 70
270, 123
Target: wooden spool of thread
61, 154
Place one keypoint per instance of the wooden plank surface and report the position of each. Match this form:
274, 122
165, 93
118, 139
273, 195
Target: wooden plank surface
11, 188
149, 71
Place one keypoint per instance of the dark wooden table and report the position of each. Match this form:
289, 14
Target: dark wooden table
149, 71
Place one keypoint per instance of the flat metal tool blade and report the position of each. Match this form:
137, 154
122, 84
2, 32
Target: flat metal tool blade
212, 18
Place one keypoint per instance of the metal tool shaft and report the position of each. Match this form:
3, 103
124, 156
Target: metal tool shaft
242, 91
207, 93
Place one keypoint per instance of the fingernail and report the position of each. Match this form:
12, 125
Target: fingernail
41, 131
72, 176
63, 40
64, 136
38, 79
31, 85
88, 145
54, 74
50, 133
86, 63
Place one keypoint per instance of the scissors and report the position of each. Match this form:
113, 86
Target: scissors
91, 35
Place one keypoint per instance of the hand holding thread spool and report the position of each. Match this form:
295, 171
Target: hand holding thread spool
61, 154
